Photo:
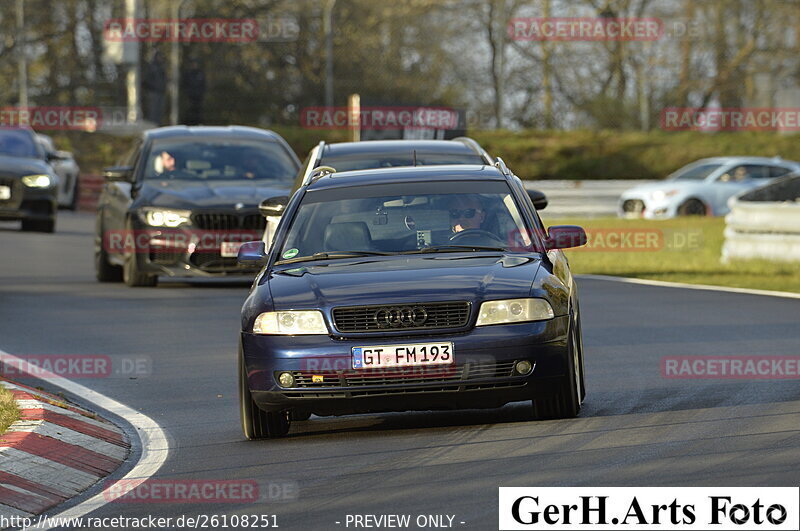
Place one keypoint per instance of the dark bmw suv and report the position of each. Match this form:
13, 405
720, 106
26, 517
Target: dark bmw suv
183, 199
28, 184
410, 288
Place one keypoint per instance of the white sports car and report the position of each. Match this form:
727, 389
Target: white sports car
703, 187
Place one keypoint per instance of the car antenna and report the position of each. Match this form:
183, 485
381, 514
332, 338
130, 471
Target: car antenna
414, 151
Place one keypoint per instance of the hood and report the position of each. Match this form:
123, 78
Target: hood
424, 278
21, 166
212, 193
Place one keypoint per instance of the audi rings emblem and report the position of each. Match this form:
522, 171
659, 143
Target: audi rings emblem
400, 317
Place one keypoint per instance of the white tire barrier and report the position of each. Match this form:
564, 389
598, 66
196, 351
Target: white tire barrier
766, 230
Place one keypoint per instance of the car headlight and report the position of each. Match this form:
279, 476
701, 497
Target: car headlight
164, 217
37, 181
660, 195
514, 311
290, 323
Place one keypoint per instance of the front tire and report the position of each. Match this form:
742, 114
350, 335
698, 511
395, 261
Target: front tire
133, 277
131, 274
256, 423
73, 204
692, 207
103, 270
565, 403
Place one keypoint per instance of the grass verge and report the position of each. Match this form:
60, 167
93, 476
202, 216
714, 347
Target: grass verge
676, 250
9, 413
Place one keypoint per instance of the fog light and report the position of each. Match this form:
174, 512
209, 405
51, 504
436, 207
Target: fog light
286, 379
523, 367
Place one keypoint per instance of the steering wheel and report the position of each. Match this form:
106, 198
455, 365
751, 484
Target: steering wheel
474, 233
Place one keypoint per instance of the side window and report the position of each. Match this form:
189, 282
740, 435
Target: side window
744, 172
778, 171
756, 171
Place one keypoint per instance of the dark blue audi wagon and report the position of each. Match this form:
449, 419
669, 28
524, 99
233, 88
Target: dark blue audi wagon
412, 288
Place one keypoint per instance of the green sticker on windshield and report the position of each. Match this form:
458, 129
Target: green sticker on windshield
291, 253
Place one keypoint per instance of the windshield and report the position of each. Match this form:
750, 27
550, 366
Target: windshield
694, 173
407, 218
365, 161
217, 159
17, 144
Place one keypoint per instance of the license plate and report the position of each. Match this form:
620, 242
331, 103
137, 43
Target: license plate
379, 356
230, 249
5, 192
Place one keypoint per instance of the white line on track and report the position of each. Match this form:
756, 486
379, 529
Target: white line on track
153, 440
704, 287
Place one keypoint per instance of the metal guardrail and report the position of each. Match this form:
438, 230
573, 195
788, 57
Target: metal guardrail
765, 223
582, 198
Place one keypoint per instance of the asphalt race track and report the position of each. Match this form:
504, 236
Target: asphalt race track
636, 428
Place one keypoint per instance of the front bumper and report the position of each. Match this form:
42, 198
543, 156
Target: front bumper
482, 375
643, 206
27, 203
186, 252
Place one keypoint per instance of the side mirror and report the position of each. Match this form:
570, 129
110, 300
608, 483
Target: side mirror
118, 174
274, 206
565, 237
250, 252
64, 155
538, 198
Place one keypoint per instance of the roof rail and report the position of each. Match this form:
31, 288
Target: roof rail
320, 148
470, 142
316, 154
319, 172
501, 165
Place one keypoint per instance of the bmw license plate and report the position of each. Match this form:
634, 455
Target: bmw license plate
5, 192
381, 356
230, 249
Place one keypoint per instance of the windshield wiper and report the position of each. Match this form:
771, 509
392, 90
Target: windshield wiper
330, 255
453, 248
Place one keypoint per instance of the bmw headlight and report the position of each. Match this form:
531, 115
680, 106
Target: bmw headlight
37, 181
290, 323
164, 217
514, 311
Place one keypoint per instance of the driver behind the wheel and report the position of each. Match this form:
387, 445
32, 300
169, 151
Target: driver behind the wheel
466, 212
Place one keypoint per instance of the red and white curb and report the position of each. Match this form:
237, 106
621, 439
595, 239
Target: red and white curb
53, 452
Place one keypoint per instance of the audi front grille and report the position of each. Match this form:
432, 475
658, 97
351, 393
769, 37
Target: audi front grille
397, 317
